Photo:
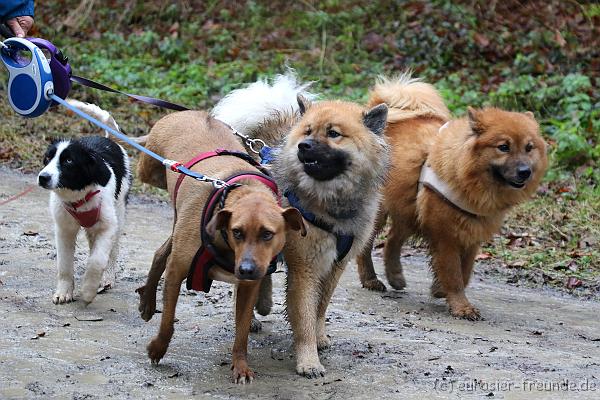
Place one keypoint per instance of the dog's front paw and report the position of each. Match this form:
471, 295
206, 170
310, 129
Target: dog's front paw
255, 325
310, 370
374, 284
88, 294
466, 311
397, 281
63, 293
157, 349
323, 342
242, 374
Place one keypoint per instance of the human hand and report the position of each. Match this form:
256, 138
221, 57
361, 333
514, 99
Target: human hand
20, 25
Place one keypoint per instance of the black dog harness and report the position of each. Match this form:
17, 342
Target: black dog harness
208, 255
343, 243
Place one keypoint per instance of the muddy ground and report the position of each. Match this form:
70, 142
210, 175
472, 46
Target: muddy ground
532, 344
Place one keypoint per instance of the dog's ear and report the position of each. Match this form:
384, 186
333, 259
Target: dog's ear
218, 222
474, 121
294, 220
303, 104
376, 118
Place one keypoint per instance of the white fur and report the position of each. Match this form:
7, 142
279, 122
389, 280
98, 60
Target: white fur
103, 237
96, 112
245, 108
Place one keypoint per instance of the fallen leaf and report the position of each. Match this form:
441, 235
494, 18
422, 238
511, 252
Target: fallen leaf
30, 233
483, 256
41, 334
573, 282
481, 40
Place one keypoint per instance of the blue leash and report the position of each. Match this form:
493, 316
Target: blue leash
173, 165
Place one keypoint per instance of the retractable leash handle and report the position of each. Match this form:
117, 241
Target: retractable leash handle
30, 83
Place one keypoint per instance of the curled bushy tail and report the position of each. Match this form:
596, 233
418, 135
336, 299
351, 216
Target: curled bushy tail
408, 97
106, 118
252, 109
96, 112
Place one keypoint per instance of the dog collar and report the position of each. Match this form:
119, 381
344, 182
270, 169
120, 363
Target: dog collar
432, 181
343, 242
86, 219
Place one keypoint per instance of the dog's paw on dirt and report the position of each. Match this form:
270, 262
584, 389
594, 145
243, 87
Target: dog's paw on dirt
242, 374
147, 307
375, 285
323, 342
61, 297
255, 325
310, 371
156, 350
64, 292
466, 312
396, 281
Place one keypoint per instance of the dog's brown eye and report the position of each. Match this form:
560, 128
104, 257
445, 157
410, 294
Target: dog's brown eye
267, 235
237, 234
505, 148
529, 147
333, 134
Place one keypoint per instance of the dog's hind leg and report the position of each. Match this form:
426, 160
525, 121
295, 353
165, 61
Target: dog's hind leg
177, 270
147, 293
246, 296
364, 261
393, 246
264, 303
328, 286
66, 236
265, 296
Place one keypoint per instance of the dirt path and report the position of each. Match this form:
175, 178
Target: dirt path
395, 345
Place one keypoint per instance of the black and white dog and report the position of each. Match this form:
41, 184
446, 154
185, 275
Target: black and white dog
89, 179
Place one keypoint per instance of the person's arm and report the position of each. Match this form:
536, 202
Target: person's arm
18, 15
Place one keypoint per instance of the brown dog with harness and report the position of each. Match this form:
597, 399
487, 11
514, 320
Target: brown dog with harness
232, 233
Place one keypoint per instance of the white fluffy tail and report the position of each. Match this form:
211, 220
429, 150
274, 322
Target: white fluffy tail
96, 112
244, 109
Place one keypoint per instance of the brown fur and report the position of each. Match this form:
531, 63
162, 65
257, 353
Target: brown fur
463, 155
252, 209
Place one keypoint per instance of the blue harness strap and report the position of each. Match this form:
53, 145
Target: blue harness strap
343, 243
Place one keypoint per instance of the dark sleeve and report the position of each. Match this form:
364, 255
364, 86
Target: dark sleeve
15, 8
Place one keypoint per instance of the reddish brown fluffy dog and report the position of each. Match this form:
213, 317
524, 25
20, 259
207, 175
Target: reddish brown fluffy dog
254, 223
482, 165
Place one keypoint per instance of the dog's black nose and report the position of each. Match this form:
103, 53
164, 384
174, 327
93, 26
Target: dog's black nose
306, 144
523, 172
44, 179
247, 269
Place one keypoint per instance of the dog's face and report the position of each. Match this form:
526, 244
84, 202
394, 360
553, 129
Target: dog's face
256, 231
331, 134
69, 165
509, 148
335, 151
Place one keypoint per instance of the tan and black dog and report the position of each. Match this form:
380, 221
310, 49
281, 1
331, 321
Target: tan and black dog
252, 222
331, 164
451, 181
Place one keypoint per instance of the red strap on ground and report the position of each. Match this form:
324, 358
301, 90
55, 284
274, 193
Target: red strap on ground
16, 196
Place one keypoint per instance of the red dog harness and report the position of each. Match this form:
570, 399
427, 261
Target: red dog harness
207, 255
86, 219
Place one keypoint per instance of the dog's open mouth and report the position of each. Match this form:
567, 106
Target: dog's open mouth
321, 169
517, 184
